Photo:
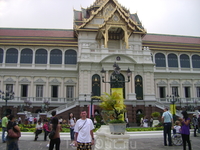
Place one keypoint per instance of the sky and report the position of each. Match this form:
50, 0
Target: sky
176, 17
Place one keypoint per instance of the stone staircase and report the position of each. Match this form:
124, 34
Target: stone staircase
63, 108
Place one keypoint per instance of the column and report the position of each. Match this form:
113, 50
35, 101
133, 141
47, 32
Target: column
63, 58
48, 58
17, 94
62, 88
133, 83
107, 84
166, 61
4, 58
18, 60
33, 62
179, 65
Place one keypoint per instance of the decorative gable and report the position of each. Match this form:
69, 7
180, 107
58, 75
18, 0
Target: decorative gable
9, 80
187, 83
197, 83
39, 81
174, 83
162, 83
55, 82
70, 82
24, 80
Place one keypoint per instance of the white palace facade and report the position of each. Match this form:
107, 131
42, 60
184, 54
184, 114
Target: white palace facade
52, 69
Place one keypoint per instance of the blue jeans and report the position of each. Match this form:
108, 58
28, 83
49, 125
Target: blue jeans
12, 143
72, 134
167, 132
4, 129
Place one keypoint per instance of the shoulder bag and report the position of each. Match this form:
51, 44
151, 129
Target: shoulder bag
82, 125
13, 134
52, 134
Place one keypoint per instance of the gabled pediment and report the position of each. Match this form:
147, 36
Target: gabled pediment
106, 12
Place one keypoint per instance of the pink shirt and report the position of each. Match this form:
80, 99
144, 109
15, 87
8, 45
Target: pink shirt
46, 127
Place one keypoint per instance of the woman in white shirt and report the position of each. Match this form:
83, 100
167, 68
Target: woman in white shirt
72, 122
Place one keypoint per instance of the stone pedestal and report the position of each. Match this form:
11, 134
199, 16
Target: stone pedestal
155, 122
107, 141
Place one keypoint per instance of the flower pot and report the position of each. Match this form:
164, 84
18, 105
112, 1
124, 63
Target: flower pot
117, 128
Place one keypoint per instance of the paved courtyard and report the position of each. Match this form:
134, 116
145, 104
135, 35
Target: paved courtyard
134, 144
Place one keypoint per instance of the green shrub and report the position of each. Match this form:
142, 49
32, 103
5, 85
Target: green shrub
98, 125
116, 121
155, 114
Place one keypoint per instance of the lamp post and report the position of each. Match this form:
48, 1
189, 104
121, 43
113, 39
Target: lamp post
173, 99
46, 103
6, 96
27, 102
116, 79
115, 75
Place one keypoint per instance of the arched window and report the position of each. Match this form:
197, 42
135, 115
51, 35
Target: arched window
172, 60
70, 57
41, 56
160, 60
184, 61
138, 87
26, 56
96, 85
56, 56
196, 61
11, 55
1, 55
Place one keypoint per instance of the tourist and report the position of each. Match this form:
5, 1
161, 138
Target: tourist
145, 122
72, 122
185, 130
167, 122
53, 114
4, 124
195, 124
60, 120
177, 127
151, 121
12, 143
46, 129
39, 127
84, 137
56, 139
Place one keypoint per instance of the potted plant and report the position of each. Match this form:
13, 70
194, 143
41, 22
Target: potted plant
114, 107
155, 115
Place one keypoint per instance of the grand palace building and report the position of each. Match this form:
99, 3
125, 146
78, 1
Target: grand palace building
53, 69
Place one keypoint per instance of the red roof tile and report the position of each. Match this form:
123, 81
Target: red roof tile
171, 38
36, 32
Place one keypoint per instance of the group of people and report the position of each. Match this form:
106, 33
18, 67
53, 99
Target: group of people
182, 126
145, 122
81, 131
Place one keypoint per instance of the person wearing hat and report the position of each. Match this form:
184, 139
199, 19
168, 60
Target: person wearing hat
195, 124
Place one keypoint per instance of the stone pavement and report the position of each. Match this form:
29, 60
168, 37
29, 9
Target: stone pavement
134, 144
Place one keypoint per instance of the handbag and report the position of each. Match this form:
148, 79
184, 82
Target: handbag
13, 134
51, 134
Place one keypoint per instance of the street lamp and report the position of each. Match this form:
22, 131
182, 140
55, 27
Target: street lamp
6, 96
115, 75
173, 99
46, 103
